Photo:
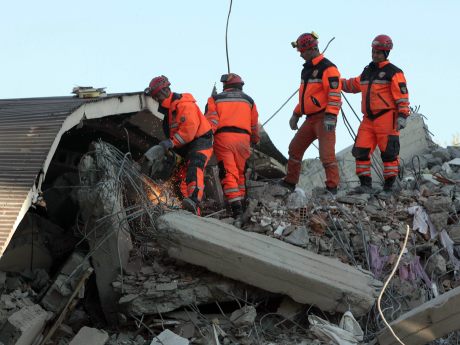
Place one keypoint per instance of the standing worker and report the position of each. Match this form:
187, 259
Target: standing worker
320, 101
385, 105
188, 133
234, 120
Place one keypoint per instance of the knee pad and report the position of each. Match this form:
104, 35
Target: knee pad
361, 153
392, 150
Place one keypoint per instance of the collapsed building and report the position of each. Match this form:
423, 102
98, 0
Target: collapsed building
93, 251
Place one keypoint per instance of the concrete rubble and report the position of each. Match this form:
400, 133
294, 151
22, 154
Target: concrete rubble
305, 268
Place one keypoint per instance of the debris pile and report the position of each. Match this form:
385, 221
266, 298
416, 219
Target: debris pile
123, 262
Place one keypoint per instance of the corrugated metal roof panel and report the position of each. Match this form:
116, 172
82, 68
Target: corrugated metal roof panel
28, 129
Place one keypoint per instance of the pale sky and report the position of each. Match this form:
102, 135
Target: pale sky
48, 47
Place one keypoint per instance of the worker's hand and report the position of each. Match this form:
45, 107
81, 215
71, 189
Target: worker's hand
329, 122
155, 153
166, 144
401, 122
293, 121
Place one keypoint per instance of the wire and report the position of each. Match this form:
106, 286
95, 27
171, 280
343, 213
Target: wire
348, 125
226, 34
276, 112
296, 90
353, 110
327, 45
386, 284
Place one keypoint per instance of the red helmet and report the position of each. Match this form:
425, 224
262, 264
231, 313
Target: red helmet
305, 41
156, 85
230, 79
382, 42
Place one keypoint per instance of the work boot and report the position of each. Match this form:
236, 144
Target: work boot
365, 187
287, 185
191, 206
237, 213
388, 185
332, 190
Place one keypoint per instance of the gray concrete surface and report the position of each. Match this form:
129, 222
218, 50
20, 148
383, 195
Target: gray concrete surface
268, 263
24, 326
87, 336
431, 320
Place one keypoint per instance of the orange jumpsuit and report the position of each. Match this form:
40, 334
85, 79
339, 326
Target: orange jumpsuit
234, 120
191, 135
384, 98
319, 93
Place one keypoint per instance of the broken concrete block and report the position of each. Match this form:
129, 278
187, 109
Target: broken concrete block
436, 265
429, 321
441, 153
24, 326
454, 151
298, 237
268, 263
437, 203
454, 233
359, 199
244, 316
169, 338
289, 308
57, 295
87, 335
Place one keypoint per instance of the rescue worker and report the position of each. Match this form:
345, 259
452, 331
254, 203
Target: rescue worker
320, 101
234, 119
188, 133
385, 105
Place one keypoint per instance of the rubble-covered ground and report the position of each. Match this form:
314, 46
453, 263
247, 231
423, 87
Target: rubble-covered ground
52, 298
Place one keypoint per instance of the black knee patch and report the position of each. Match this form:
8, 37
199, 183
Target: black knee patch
392, 151
361, 153
222, 171
197, 161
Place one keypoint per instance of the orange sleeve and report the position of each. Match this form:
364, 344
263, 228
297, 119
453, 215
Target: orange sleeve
211, 114
297, 110
188, 120
351, 85
255, 138
400, 93
332, 87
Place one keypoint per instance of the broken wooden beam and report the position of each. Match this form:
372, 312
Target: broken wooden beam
268, 263
429, 321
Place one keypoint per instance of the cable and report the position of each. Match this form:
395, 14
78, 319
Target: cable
353, 110
327, 45
386, 284
276, 112
348, 125
226, 33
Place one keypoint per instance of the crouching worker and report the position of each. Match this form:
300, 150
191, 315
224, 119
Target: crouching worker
234, 119
188, 133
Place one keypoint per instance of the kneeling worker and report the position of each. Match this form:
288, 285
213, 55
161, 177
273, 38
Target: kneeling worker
188, 133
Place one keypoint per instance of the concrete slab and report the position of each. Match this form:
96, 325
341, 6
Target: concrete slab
268, 263
24, 326
87, 335
431, 320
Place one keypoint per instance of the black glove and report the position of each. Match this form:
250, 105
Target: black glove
155, 153
293, 121
329, 122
